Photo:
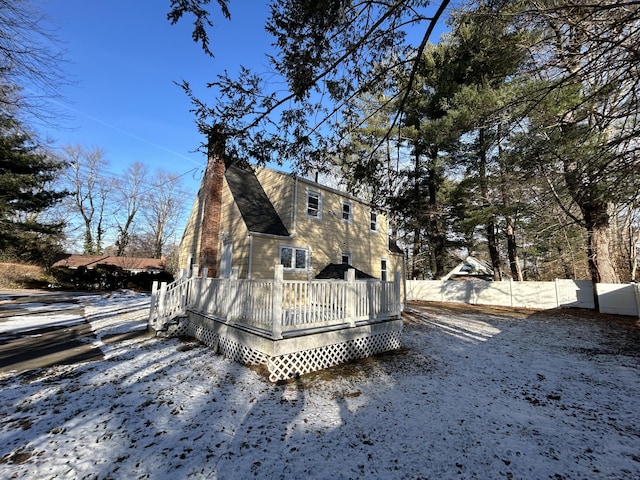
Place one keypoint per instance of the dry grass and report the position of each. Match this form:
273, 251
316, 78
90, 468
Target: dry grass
18, 275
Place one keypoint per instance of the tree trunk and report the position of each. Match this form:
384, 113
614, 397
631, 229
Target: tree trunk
490, 225
415, 269
492, 244
597, 218
566, 267
416, 201
436, 235
512, 251
512, 246
123, 238
88, 238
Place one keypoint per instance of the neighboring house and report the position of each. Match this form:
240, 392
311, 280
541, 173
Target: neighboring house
471, 268
130, 264
267, 217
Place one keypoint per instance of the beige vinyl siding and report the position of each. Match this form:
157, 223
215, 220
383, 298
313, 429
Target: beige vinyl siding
326, 238
190, 243
331, 235
231, 223
265, 257
280, 188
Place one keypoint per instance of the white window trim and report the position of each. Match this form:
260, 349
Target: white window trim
348, 255
350, 205
377, 225
295, 248
319, 194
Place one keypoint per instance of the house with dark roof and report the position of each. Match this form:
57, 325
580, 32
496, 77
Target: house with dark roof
130, 264
281, 271
247, 220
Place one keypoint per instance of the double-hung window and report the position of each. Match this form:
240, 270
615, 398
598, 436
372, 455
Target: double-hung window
347, 211
374, 222
384, 270
314, 204
294, 258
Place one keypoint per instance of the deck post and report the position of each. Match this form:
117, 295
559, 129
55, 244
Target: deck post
161, 305
195, 293
351, 297
397, 309
184, 292
276, 313
153, 303
202, 278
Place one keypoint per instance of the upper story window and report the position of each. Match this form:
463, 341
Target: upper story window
294, 258
314, 204
347, 211
374, 222
345, 258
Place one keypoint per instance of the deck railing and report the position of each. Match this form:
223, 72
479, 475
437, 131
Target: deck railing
279, 307
168, 301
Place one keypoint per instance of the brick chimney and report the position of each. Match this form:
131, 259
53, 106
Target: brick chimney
212, 202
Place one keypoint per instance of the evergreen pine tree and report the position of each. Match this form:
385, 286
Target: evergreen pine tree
26, 191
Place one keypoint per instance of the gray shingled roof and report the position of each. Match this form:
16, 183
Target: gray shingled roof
257, 211
338, 270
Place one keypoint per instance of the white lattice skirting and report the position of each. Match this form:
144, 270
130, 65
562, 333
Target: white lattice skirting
291, 357
297, 363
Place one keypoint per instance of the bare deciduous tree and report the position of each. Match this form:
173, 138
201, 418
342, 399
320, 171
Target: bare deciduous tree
30, 58
130, 190
162, 208
90, 192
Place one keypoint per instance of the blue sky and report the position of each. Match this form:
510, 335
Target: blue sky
123, 59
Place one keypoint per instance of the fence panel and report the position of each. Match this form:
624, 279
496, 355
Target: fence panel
618, 299
461, 292
493, 293
534, 294
506, 293
426, 290
575, 293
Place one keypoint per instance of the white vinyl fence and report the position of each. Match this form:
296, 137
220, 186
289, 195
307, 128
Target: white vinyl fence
620, 299
278, 306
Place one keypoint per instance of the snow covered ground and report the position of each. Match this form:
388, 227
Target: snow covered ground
472, 395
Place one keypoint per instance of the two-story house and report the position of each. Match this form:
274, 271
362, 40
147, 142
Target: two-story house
251, 219
280, 230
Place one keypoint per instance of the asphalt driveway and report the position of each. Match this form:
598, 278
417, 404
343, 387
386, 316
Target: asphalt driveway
45, 340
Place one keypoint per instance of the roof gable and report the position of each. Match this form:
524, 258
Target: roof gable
256, 209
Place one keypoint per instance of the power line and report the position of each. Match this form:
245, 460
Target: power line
124, 132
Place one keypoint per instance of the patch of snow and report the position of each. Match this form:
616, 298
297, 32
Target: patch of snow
470, 396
